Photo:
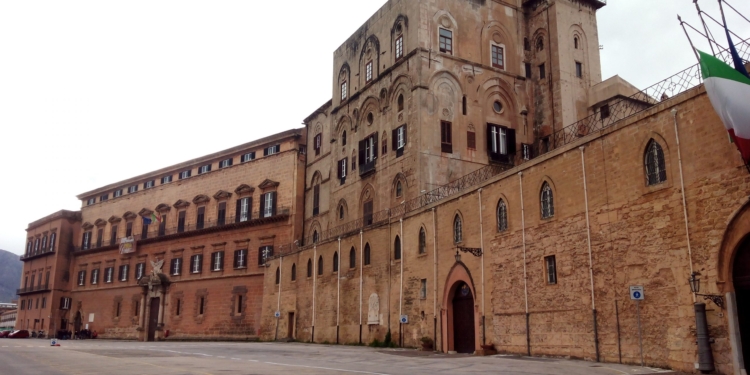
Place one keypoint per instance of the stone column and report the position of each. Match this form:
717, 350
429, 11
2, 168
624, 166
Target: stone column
142, 312
162, 302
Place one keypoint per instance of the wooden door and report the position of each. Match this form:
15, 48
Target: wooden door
463, 320
290, 329
741, 275
153, 319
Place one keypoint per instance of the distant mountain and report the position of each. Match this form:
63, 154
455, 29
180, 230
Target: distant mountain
10, 275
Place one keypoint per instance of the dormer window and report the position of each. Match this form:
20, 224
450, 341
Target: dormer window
204, 169
368, 72
132, 189
446, 41
343, 91
247, 157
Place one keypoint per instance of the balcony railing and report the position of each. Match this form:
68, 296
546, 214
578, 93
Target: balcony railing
367, 168
158, 231
37, 253
33, 289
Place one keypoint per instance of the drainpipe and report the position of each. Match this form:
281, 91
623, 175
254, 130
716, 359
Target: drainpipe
338, 293
525, 286
703, 341
315, 285
278, 299
591, 258
401, 287
481, 245
361, 266
434, 275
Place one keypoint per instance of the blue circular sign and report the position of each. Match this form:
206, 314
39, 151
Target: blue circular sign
637, 294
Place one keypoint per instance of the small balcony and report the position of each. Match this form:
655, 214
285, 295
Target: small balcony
37, 254
367, 168
33, 289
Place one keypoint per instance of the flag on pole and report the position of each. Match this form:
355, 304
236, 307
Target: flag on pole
155, 217
728, 90
146, 220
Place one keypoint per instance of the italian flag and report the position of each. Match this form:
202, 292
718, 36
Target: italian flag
729, 92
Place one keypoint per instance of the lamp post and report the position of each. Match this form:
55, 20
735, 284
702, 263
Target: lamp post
705, 356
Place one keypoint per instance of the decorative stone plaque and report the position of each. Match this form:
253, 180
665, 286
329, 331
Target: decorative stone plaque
373, 316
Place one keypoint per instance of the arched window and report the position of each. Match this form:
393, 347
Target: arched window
278, 275
422, 241
399, 190
502, 216
548, 204
540, 44
457, 229
294, 272
320, 265
309, 268
656, 169
367, 254
336, 262
341, 212
575, 42
397, 248
352, 258
400, 102
315, 236
343, 138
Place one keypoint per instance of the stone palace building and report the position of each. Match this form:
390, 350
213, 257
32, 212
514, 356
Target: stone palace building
473, 180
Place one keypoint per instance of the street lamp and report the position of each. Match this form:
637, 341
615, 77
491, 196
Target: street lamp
458, 256
695, 287
695, 283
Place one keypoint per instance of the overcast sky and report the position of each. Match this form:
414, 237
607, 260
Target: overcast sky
93, 92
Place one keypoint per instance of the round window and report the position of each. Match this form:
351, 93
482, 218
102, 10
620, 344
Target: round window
498, 107
370, 118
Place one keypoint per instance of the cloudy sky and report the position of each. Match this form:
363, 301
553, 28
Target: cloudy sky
93, 92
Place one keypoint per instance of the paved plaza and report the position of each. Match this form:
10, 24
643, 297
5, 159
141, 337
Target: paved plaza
99, 357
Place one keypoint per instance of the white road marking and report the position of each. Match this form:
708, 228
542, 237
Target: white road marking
325, 368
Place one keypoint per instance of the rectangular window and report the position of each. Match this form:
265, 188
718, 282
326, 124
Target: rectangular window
317, 143
446, 137
342, 169
185, 174
247, 157
144, 231
528, 69
129, 230
221, 216
579, 70
204, 169
196, 263
90, 201
225, 163
117, 193
86, 243
65, 303
81, 278
269, 204
149, 184
95, 276
604, 111
124, 272
368, 209
163, 226
551, 266
242, 212
239, 304
501, 143
542, 72
140, 270
423, 289
132, 189
446, 41
264, 253
117, 311
104, 198
471, 140
399, 47
498, 57
199, 222
200, 308
343, 91
44, 305
368, 153
527, 153
181, 222
240, 258
109, 274
175, 267
272, 150
166, 179
217, 261
368, 72
399, 140
99, 237
113, 235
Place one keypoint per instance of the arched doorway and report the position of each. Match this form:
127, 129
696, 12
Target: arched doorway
463, 319
741, 279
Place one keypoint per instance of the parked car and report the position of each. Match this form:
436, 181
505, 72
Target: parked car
4, 334
22, 334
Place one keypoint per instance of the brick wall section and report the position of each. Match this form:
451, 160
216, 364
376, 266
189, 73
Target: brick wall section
637, 238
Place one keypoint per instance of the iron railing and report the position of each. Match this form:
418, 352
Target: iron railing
367, 168
156, 230
37, 253
33, 289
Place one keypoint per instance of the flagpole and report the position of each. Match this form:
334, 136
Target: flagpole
682, 23
730, 6
705, 27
